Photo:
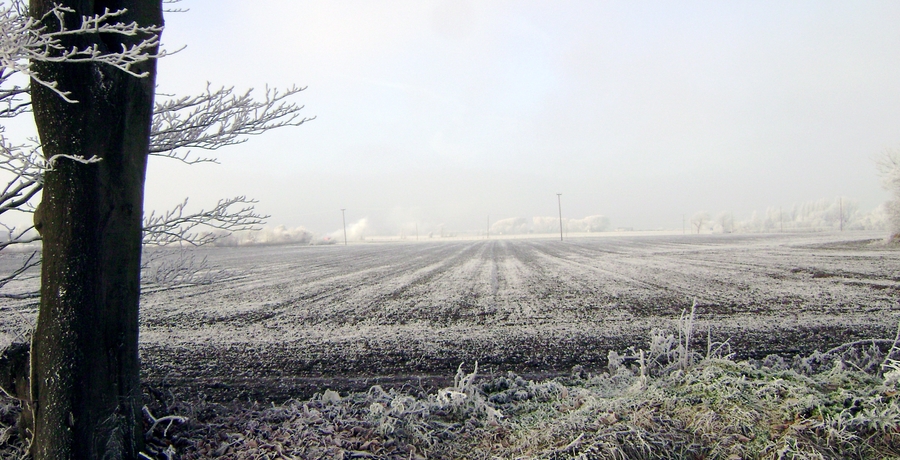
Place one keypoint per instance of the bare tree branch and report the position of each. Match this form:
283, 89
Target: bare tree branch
219, 118
179, 226
165, 269
11, 102
174, 10
32, 260
14, 236
28, 40
208, 121
17, 194
888, 165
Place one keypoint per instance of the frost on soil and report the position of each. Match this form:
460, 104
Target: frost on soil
671, 402
387, 325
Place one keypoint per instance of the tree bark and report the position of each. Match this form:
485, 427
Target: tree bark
85, 381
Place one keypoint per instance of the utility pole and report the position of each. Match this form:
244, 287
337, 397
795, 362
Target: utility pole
344, 219
559, 201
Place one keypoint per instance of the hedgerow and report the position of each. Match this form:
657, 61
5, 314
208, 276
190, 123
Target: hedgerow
666, 401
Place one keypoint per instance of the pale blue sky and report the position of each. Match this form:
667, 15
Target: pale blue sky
444, 112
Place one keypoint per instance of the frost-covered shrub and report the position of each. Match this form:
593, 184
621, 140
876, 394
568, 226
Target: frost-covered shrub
819, 215
665, 401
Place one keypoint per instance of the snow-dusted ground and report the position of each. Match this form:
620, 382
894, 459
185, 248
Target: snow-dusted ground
300, 317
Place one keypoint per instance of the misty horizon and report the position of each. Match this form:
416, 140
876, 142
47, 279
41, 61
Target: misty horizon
443, 113
447, 112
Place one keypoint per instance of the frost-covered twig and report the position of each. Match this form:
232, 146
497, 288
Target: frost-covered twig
574, 444
847, 345
714, 349
179, 226
173, 10
16, 236
22, 160
218, 118
888, 165
28, 41
209, 121
894, 347
27, 165
168, 419
161, 269
17, 193
31, 261
12, 103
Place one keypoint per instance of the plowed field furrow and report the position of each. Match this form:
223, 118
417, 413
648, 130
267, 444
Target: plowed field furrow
629, 282
396, 299
291, 285
294, 316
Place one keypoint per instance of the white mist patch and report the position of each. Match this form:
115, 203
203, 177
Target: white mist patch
266, 236
356, 231
542, 224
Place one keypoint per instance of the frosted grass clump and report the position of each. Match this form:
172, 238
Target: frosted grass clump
892, 372
651, 404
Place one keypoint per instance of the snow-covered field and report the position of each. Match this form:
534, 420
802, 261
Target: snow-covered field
295, 319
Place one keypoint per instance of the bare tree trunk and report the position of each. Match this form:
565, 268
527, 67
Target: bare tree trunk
85, 380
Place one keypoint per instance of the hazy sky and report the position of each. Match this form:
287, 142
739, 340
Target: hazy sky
445, 112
